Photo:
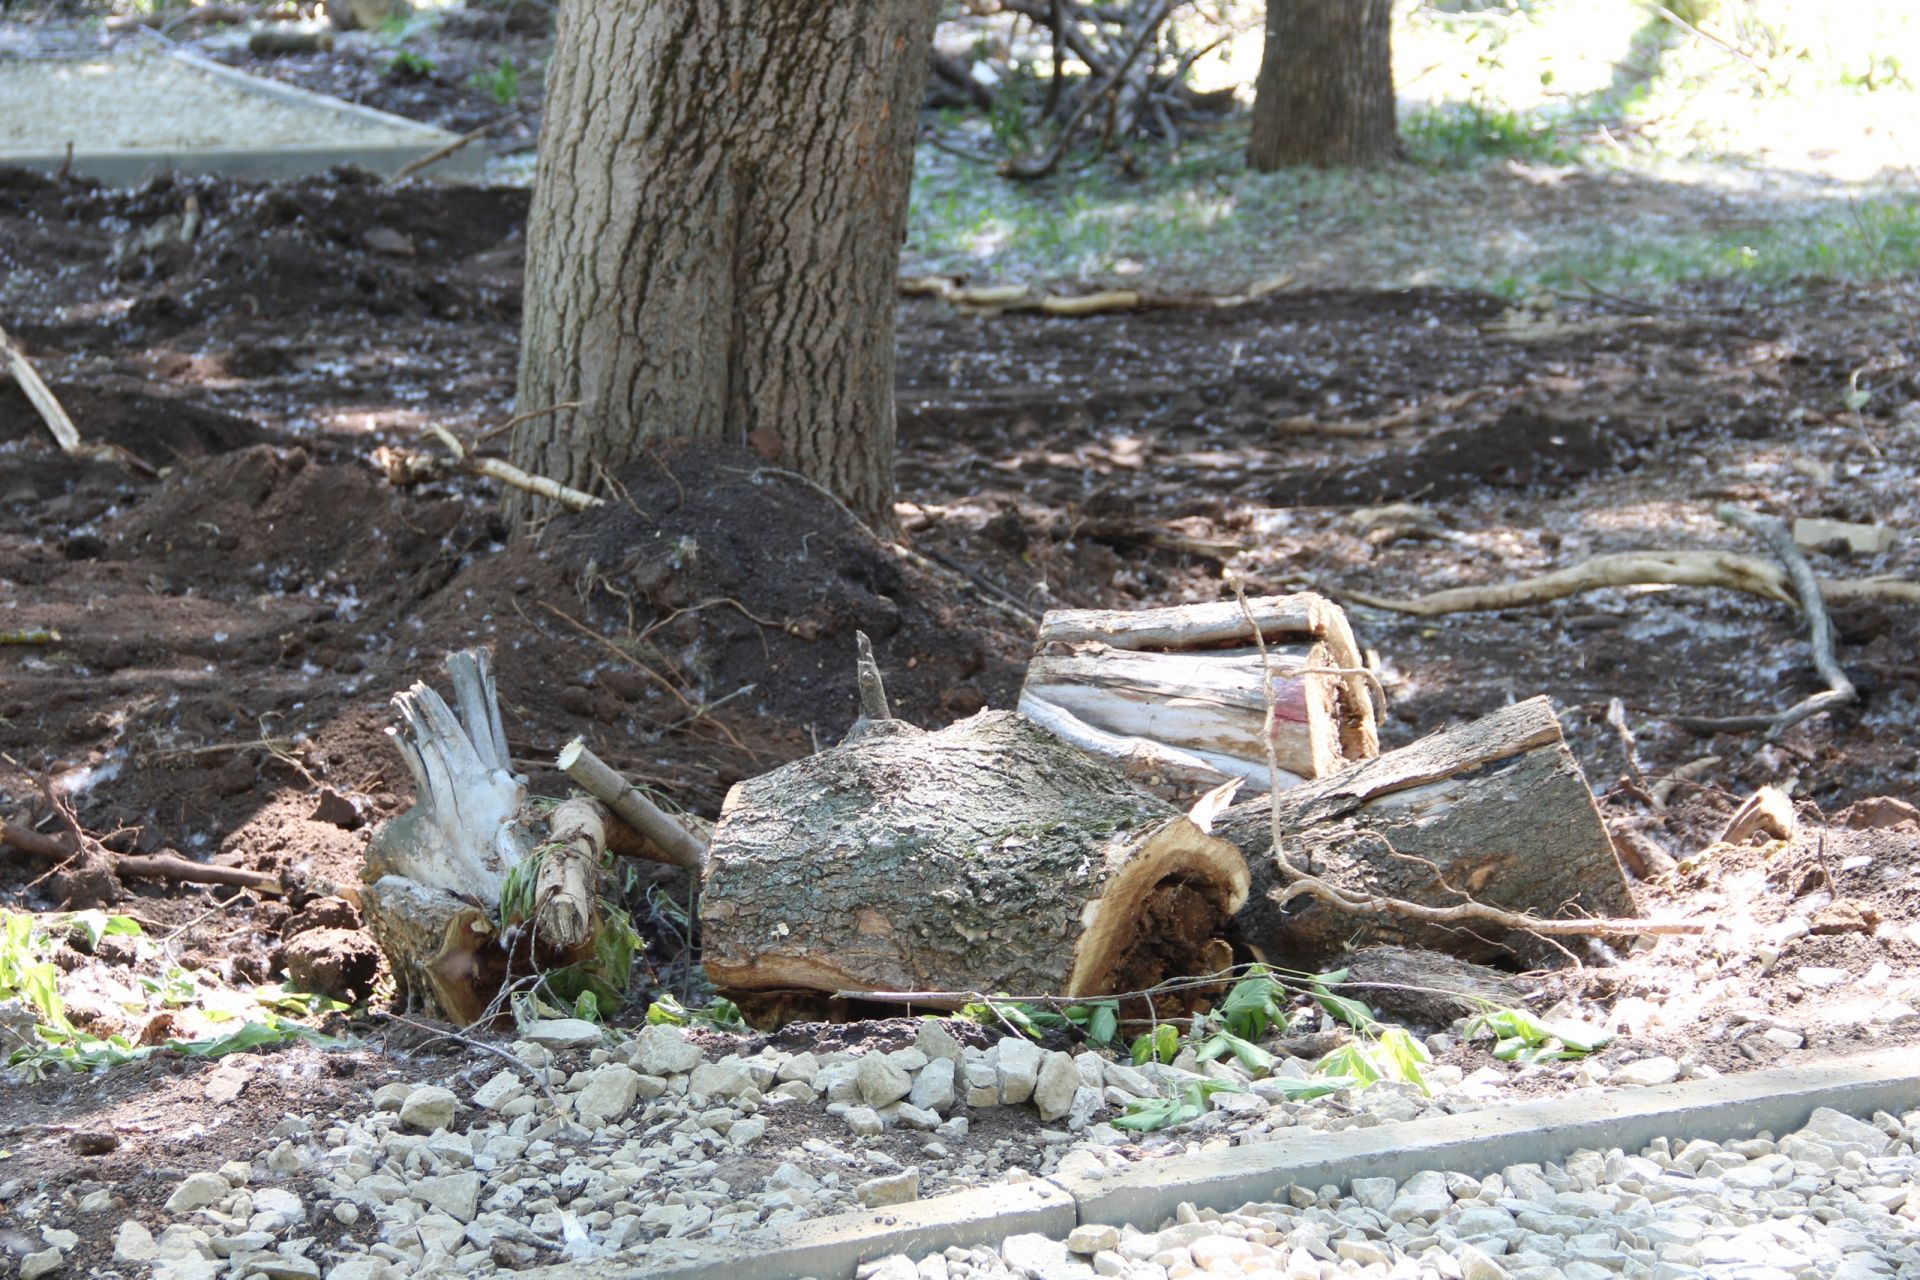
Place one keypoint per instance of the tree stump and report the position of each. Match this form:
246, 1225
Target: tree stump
1497, 809
434, 875
986, 857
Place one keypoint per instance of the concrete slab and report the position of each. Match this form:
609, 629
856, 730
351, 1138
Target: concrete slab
1483, 1141
831, 1248
330, 132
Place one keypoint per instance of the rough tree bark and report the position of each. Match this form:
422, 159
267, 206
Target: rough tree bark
1325, 92
1496, 809
715, 232
989, 856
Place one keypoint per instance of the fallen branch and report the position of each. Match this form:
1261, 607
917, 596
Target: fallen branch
680, 847
405, 467
566, 885
164, 866
993, 300
1727, 569
1306, 425
438, 154
1839, 691
54, 414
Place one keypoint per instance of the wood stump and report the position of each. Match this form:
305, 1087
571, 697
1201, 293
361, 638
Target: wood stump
1497, 809
986, 857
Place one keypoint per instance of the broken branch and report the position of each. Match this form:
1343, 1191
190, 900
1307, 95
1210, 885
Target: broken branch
681, 847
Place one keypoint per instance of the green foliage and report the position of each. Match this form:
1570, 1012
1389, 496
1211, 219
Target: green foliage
1146, 1114
1255, 1003
24, 976
1450, 134
603, 975
1098, 1022
1521, 1037
408, 65
722, 1014
502, 83
1161, 1045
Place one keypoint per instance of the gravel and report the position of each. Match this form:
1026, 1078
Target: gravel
469, 1176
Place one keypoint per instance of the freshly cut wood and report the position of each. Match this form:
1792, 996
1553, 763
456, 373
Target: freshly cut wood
1496, 810
1176, 695
988, 856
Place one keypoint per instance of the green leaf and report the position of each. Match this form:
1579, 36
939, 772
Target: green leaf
1161, 1045
1402, 1056
1104, 1026
1577, 1038
1351, 1061
1250, 1055
1347, 1010
1299, 1089
1254, 1004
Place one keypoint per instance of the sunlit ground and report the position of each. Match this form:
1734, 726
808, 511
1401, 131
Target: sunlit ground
1570, 144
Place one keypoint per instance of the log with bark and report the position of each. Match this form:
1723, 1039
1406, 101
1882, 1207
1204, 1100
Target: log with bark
1175, 695
1495, 811
989, 856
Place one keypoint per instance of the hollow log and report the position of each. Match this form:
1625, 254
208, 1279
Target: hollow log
1496, 809
1179, 697
989, 856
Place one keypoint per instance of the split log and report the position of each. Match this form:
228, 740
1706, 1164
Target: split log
988, 856
1175, 695
1496, 810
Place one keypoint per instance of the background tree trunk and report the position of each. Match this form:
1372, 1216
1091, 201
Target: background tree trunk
715, 233
1325, 93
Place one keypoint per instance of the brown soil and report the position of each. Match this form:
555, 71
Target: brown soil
231, 630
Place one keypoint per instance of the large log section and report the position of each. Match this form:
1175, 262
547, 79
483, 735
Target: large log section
1175, 695
988, 856
1496, 809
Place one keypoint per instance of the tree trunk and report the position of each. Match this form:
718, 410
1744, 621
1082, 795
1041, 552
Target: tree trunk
1325, 93
715, 233
989, 856
1497, 809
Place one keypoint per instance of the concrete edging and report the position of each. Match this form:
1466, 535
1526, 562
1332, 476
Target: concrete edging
1778, 1100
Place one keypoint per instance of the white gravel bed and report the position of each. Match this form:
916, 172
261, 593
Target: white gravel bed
145, 100
655, 1138
1837, 1200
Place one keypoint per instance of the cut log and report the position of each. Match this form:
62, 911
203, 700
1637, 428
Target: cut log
986, 857
1175, 695
1496, 809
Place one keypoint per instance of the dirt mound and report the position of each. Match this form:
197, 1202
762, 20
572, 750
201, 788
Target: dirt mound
160, 431
752, 583
274, 522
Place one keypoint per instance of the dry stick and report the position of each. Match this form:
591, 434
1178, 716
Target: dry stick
599, 780
1839, 691
507, 473
438, 154
54, 414
1050, 160
1304, 884
1727, 569
154, 867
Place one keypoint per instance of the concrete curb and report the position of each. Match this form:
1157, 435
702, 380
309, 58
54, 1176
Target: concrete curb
1478, 1142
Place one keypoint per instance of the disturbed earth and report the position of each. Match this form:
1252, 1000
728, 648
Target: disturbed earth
218, 627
